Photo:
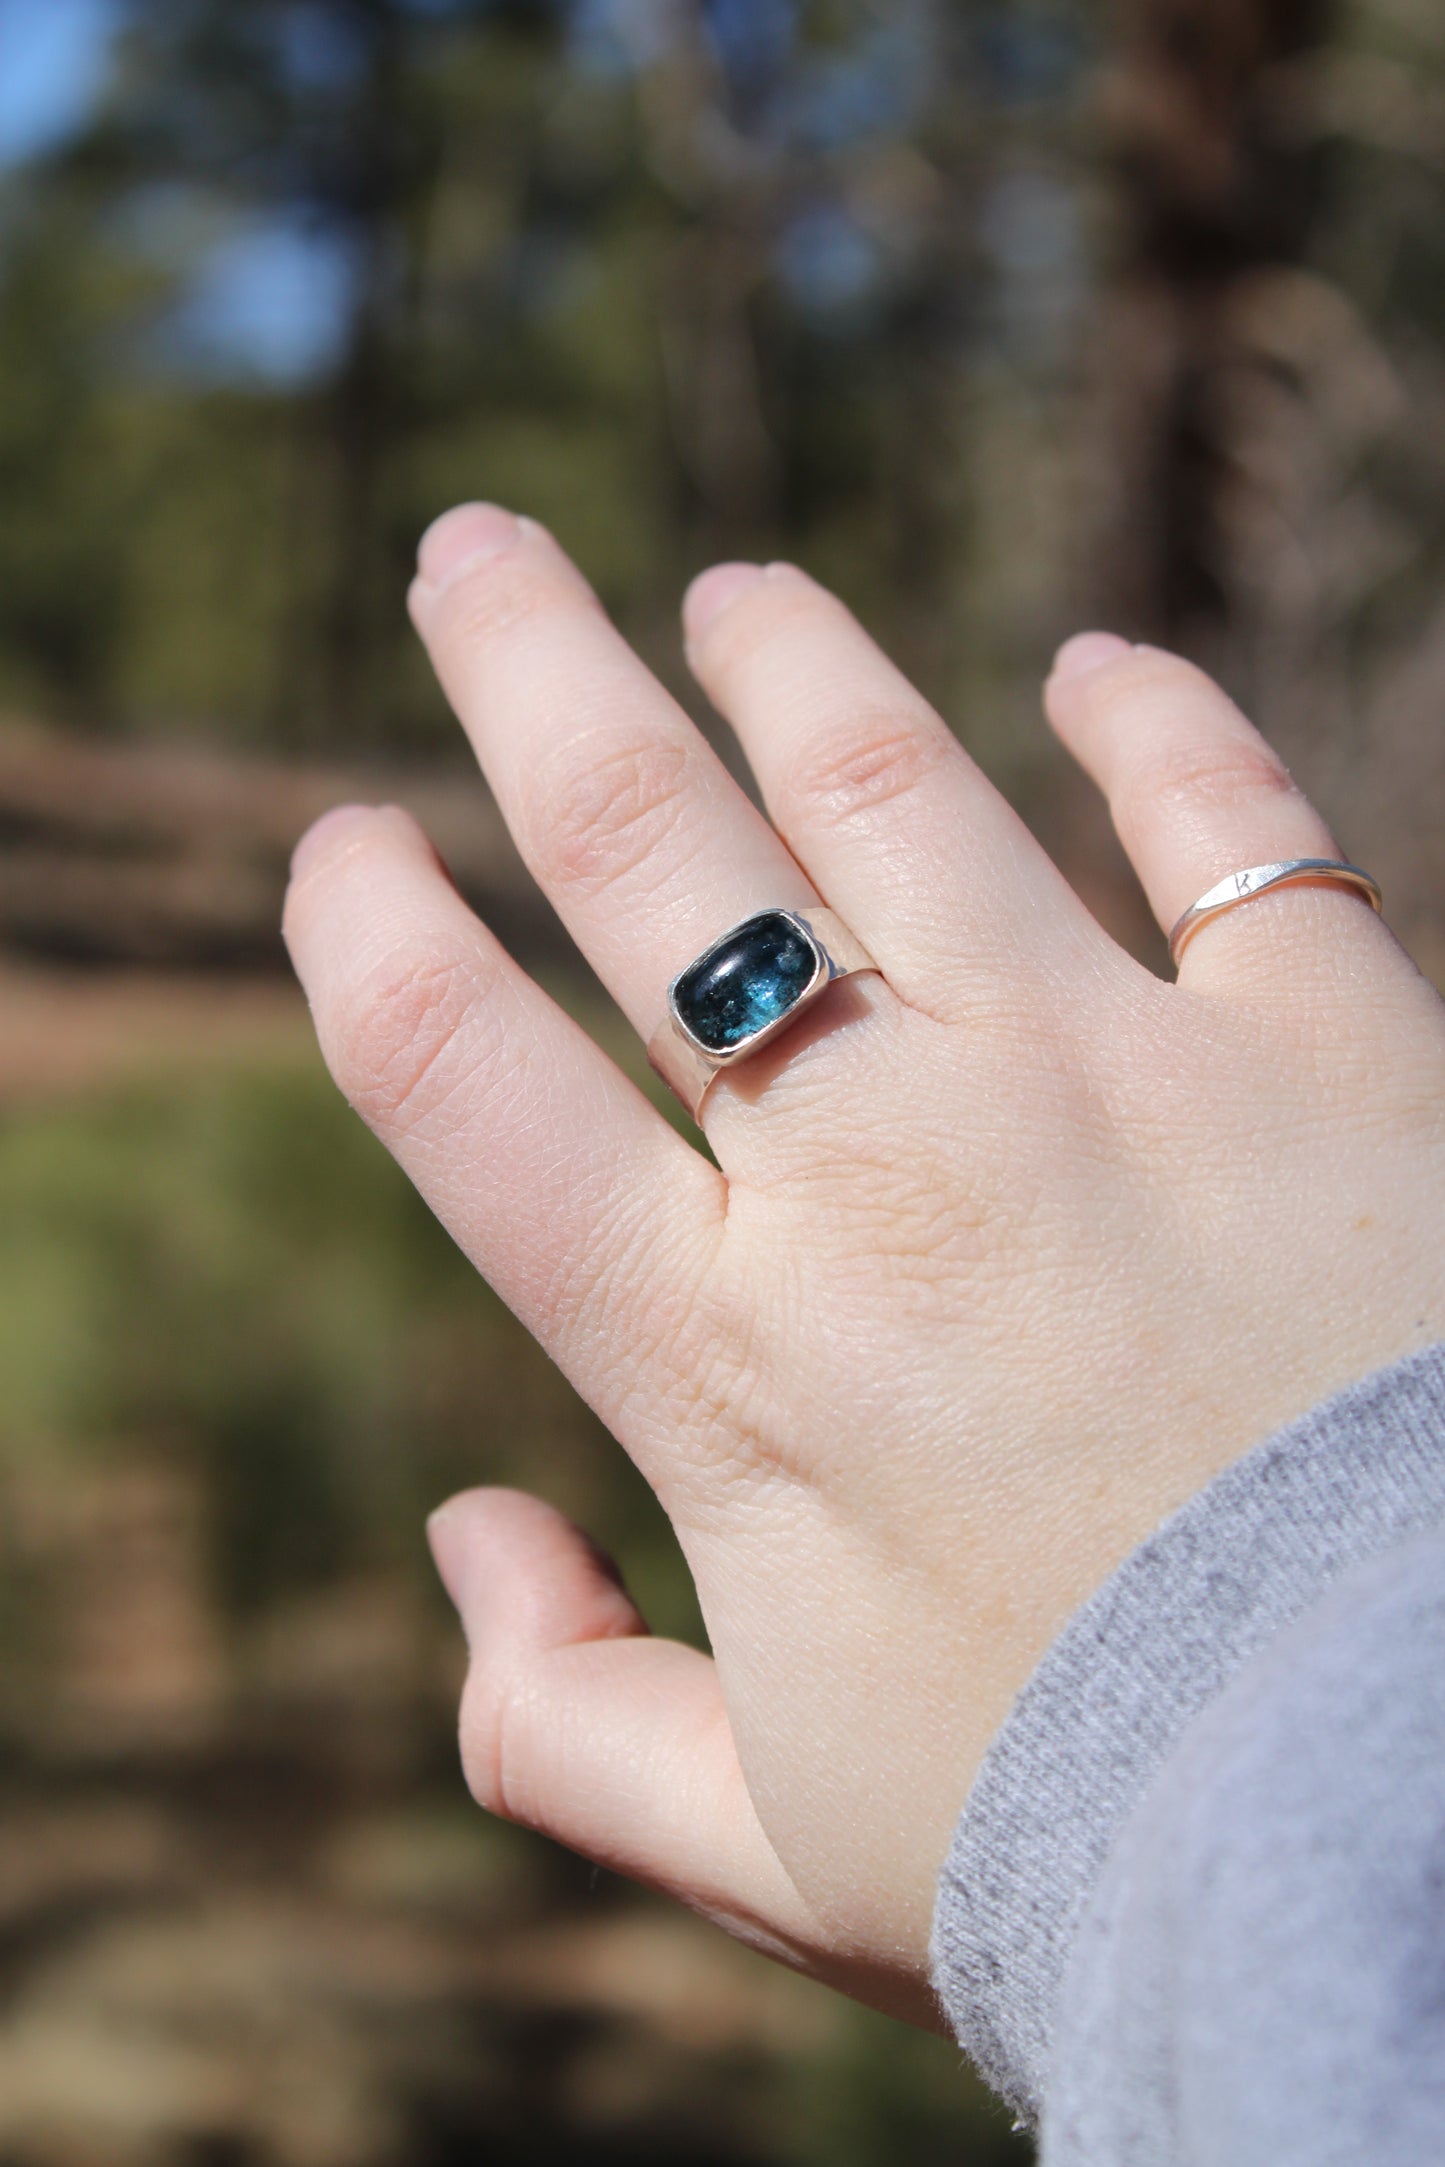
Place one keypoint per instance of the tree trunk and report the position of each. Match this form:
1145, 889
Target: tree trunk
1216, 187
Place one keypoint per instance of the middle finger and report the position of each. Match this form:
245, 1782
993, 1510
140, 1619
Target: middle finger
629, 821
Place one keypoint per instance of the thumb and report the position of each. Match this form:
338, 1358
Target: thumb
577, 1723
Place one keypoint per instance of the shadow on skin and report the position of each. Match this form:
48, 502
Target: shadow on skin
844, 1007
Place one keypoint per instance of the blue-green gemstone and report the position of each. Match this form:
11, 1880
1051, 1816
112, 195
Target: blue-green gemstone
749, 980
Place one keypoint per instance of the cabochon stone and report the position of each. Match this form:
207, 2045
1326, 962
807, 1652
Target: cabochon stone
749, 980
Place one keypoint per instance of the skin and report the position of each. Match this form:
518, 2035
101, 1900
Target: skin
1007, 1251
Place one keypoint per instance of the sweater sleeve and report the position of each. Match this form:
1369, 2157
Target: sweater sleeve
1260, 1978
1241, 1693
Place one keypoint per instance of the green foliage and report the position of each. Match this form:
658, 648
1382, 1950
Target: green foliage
826, 288
598, 291
884, 2093
230, 1270
877, 294
227, 1270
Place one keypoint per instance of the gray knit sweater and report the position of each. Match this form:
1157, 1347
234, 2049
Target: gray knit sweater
1194, 1911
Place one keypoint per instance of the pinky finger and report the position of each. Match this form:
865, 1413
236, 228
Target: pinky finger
1196, 794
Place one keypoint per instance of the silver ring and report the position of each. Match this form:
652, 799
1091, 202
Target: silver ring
1258, 880
746, 987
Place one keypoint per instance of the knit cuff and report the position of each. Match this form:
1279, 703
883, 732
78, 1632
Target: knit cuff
1110, 1701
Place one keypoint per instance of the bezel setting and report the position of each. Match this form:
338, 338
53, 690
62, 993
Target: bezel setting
818, 979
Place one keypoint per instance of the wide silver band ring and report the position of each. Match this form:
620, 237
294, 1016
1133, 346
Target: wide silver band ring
744, 989
1257, 880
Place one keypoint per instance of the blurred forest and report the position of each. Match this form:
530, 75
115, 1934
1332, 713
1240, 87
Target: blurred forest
1006, 317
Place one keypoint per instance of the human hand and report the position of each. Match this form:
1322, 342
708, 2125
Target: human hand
1006, 1253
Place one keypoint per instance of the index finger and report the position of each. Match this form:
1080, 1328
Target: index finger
590, 1216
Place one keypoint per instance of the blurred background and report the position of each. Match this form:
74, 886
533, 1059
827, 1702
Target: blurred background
1005, 317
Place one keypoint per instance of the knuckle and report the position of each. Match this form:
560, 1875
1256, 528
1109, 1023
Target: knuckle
1144, 677
768, 608
500, 595
1206, 775
480, 1740
498, 1735
866, 764
394, 1045
770, 636
594, 824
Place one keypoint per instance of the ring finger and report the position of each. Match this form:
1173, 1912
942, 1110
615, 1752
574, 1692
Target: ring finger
877, 796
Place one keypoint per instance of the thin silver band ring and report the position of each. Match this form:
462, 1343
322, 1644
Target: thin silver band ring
1256, 880
744, 989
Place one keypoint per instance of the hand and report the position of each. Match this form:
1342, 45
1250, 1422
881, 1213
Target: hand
1011, 1248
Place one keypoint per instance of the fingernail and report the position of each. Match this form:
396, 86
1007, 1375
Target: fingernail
1088, 651
712, 591
325, 833
465, 535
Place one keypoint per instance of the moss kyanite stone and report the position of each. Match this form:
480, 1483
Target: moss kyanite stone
753, 976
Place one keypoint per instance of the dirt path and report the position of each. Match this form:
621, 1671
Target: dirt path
63, 1032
